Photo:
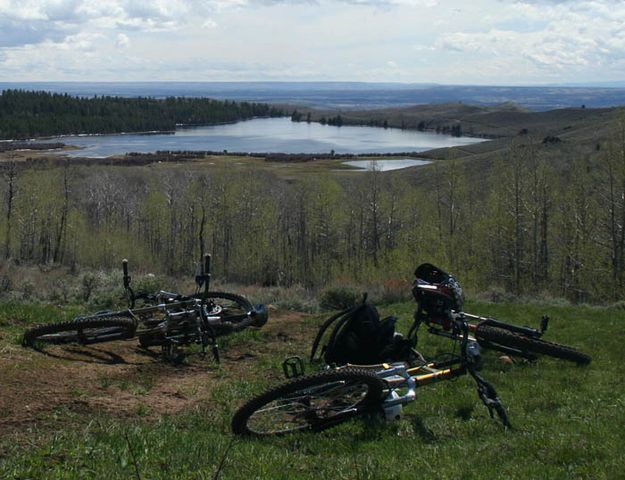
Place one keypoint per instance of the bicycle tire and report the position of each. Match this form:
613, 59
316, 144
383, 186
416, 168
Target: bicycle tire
506, 338
152, 338
85, 331
311, 403
229, 306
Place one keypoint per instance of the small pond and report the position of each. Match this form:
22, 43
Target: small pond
386, 165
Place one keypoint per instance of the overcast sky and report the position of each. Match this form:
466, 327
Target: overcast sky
492, 42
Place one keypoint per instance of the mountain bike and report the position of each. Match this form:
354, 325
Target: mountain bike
164, 319
325, 399
440, 299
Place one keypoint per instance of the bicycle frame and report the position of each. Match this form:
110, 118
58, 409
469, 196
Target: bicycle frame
401, 376
528, 331
165, 319
441, 318
174, 309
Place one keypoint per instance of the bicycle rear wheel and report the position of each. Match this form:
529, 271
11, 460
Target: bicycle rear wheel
491, 337
85, 331
314, 403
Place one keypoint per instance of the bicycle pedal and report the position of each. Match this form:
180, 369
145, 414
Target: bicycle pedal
293, 367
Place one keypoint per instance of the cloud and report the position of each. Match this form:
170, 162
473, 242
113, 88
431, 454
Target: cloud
28, 22
209, 23
483, 41
122, 41
569, 36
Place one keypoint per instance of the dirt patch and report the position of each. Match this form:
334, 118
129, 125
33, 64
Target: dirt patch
121, 379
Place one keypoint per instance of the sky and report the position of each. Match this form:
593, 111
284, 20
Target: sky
483, 42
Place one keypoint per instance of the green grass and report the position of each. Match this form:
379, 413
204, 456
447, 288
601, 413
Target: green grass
567, 421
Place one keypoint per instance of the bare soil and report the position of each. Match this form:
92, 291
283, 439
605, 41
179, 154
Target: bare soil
123, 380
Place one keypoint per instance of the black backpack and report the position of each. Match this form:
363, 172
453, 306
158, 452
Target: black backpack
359, 337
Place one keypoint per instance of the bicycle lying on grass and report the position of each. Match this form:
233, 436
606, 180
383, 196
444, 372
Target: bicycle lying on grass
434, 289
165, 319
320, 401
325, 399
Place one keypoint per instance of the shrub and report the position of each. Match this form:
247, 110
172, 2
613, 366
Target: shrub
496, 294
393, 290
28, 290
339, 298
60, 291
295, 298
620, 305
88, 284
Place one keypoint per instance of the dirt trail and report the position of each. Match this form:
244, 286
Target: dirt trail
121, 379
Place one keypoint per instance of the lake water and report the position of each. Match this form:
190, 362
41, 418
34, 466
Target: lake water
268, 135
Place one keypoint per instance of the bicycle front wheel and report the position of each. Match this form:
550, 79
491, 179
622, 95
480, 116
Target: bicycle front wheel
234, 309
490, 337
85, 331
313, 403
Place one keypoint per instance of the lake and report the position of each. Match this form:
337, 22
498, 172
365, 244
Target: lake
267, 135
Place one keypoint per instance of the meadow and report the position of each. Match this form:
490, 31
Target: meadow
112, 411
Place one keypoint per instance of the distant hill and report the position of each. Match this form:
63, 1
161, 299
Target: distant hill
504, 120
348, 95
559, 135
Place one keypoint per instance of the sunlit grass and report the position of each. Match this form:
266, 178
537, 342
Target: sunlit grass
567, 420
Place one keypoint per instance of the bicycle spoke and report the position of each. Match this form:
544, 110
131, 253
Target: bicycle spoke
304, 408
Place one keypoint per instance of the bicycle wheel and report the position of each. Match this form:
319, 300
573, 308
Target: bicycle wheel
490, 337
232, 308
86, 330
314, 402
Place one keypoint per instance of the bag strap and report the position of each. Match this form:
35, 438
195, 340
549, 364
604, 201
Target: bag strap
323, 329
342, 317
342, 325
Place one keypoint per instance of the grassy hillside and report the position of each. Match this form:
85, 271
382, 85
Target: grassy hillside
506, 120
110, 411
558, 136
